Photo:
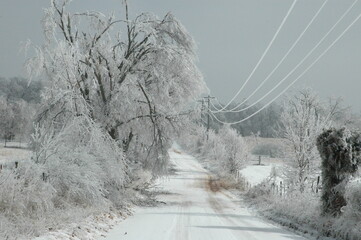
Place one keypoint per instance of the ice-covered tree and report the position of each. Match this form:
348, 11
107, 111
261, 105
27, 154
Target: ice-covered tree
303, 118
223, 152
133, 77
116, 93
235, 149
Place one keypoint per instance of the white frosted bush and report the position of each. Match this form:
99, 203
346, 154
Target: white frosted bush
72, 168
353, 198
223, 153
236, 150
24, 196
82, 164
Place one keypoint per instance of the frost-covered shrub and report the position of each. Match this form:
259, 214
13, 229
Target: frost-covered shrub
340, 150
192, 139
223, 153
296, 210
81, 162
353, 198
213, 149
301, 211
348, 224
24, 197
75, 169
236, 150
29, 196
260, 190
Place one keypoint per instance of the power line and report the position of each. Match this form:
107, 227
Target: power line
263, 55
303, 73
300, 63
284, 57
217, 109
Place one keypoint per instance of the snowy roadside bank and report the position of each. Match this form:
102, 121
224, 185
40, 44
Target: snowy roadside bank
97, 225
93, 227
301, 213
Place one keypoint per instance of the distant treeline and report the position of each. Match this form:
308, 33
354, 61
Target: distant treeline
263, 124
17, 88
268, 123
19, 100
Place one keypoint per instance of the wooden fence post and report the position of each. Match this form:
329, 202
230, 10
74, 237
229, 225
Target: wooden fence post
318, 182
281, 188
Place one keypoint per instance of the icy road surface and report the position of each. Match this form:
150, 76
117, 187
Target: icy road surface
196, 209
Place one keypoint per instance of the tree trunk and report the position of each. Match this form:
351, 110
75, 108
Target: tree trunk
113, 132
126, 143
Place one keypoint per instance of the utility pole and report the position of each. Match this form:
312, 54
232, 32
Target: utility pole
208, 99
202, 109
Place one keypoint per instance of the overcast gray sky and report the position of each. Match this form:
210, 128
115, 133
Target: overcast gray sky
231, 37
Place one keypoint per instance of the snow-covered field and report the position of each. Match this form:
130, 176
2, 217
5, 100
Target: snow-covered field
195, 208
13, 154
255, 174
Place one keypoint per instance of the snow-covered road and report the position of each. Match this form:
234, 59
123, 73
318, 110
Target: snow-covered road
196, 209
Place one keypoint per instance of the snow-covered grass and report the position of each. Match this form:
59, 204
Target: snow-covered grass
256, 174
93, 227
302, 211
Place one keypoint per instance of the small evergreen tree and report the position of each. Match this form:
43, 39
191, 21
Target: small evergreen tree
340, 150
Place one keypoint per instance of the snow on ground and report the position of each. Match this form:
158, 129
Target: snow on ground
196, 208
11, 154
93, 227
255, 174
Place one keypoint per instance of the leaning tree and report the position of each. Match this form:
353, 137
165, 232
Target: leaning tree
134, 77
340, 150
